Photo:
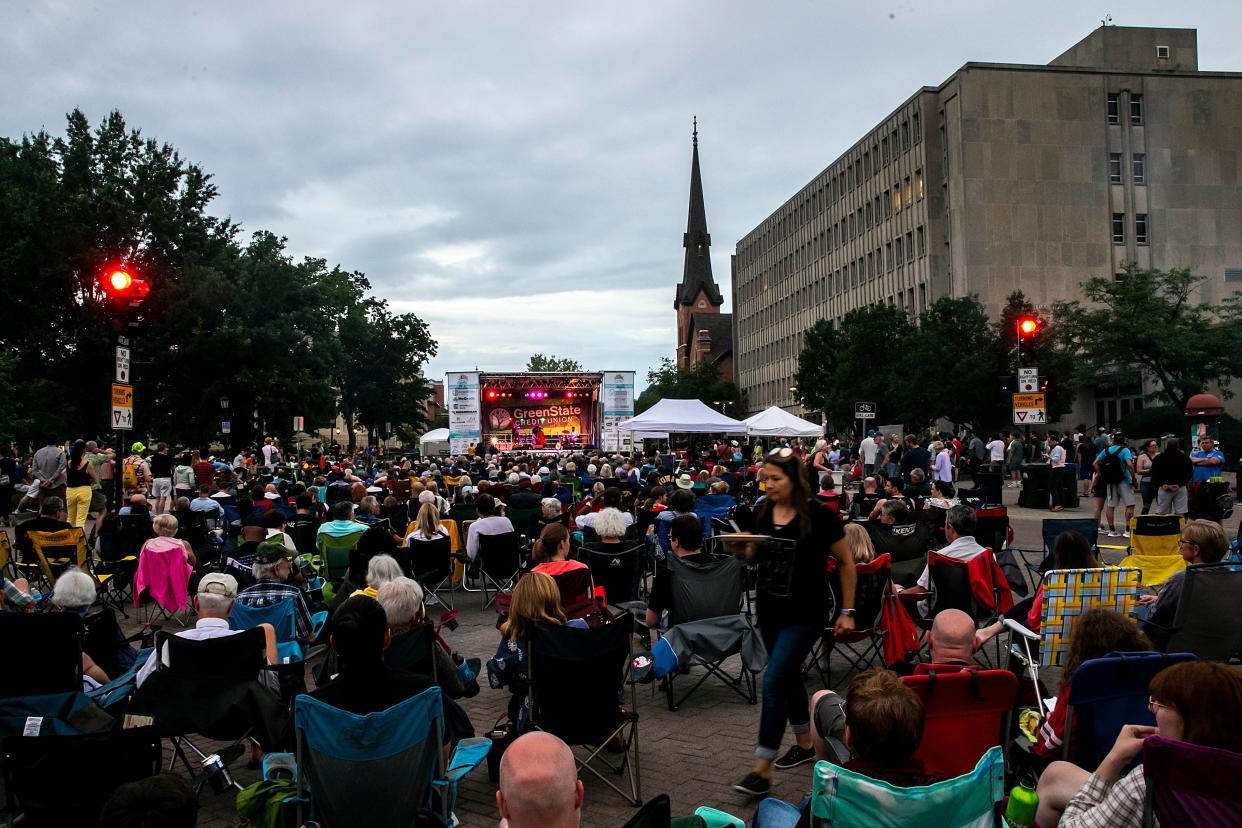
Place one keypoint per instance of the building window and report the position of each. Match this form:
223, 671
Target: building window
1140, 228
867, 163
1114, 168
909, 197
910, 299
888, 204
1114, 110
918, 128
922, 242
884, 149
867, 213
1119, 228
918, 184
1139, 164
923, 296
910, 246
888, 257
896, 198
1136, 109
900, 248
905, 135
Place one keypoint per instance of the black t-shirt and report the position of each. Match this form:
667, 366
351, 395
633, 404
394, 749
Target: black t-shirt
808, 586
161, 465
914, 458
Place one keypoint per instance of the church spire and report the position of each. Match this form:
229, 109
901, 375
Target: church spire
697, 273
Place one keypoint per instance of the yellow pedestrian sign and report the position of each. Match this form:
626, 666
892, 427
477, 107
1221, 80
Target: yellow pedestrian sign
122, 406
1029, 409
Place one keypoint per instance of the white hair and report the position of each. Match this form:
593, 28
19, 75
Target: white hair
609, 523
551, 508
605, 470
514, 479
212, 603
382, 569
427, 496
592, 469
74, 590
402, 600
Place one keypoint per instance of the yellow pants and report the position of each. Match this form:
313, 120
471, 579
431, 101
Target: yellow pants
78, 504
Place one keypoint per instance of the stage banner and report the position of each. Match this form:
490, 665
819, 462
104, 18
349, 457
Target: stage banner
462, 392
618, 397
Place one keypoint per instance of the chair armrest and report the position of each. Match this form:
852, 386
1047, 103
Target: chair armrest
317, 622
467, 756
1021, 630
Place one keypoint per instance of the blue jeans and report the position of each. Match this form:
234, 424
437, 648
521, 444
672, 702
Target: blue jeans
784, 694
776, 813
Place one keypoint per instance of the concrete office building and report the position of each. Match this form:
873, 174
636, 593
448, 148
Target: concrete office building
1007, 177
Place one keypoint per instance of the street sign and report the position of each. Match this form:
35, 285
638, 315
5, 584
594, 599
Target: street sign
297, 423
122, 364
1029, 409
226, 427
1028, 380
1028, 373
122, 407
864, 411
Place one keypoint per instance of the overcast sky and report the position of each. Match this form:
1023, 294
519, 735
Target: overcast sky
517, 172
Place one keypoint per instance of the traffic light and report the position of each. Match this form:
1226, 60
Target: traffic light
1028, 326
126, 294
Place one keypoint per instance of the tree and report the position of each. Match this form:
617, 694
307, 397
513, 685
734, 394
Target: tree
552, 364
875, 362
817, 364
1055, 359
1151, 320
701, 382
962, 358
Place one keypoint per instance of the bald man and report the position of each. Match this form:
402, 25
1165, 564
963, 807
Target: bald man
539, 785
952, 638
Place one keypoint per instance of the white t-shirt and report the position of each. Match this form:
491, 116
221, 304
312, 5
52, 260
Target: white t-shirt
996, 451
869, 450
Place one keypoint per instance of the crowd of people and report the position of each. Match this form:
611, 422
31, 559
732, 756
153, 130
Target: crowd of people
260, 516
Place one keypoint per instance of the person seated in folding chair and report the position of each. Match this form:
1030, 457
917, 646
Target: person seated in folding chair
365, 683
272, 570
551, 551
539, 784
1202, 541
380, 570
1198, 702
959, 528
875, 730
1071, 550
535, 598
74, 593
52, 518
685, 538
212, 604
488, 523
342, 523
951, 641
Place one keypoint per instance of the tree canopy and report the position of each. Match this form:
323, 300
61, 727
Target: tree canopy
701, 382
225, 318
553, 364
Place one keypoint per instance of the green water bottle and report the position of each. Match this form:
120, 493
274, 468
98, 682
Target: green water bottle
1023, 802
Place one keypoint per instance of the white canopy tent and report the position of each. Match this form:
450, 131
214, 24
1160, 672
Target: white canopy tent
683, 417
777, 422
435, 441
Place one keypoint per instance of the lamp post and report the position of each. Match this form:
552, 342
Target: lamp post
224, 408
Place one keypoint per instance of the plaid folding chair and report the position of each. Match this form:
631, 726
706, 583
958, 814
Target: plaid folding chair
1068, 593
1154, 549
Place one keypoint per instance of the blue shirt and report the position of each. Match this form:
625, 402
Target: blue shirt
1205, 472
1125, 456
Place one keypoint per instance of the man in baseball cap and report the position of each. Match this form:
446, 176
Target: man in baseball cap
273, 568
213, 603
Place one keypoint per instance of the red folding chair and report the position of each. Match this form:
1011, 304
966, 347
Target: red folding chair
967, 713
861, 646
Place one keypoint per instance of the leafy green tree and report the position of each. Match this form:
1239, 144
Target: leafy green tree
701, 382
1152, 320
875, 362
817, 365
552, 364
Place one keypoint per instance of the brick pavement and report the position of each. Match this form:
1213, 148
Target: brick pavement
693, 754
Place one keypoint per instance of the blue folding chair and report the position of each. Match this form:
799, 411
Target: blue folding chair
1052, 529
283, 617
1106, 694
383, 765
713, 506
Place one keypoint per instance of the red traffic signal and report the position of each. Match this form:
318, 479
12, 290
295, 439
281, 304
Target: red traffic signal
119, 281
125, 294
1028, 325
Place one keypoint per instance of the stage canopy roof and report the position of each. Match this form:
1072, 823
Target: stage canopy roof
683, 417
777, 422
436, 435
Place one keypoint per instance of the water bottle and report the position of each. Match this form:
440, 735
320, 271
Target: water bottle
1023, 802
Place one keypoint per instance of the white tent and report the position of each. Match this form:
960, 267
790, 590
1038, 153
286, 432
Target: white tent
435, 441
683, 417
777, 422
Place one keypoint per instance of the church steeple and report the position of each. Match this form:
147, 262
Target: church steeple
697, 273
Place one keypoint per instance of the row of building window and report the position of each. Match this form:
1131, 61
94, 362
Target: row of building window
1114, 108
1138, 167
1140, 228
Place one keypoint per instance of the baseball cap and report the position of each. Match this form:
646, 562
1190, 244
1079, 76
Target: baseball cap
138, 447
218, 583
544, 470
271, 551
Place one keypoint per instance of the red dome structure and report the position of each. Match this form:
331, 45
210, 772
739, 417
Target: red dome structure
1204, 405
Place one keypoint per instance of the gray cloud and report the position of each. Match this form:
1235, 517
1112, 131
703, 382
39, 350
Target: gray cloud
517, 173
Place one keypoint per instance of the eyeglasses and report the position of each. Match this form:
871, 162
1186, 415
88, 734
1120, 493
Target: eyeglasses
1154, 705
780, 453
1184, 542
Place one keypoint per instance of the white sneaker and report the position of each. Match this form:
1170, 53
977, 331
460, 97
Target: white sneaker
1112, 533
1125, 533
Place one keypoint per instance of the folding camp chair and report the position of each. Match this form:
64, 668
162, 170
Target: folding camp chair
577, 590
966, 714
576, 681
385, 765
12, 568
334, 554
616, 568
431, 564
1068, 593
103, 642
841, 797
499, 561
50, 657
1207, 622
976, 587
55, 552
66, 779
1154, 548
1106, 694
1190, 784
304, 532
1052, 529
709, 623
906, 544
525, 521
282, 615
862, 645
165, 575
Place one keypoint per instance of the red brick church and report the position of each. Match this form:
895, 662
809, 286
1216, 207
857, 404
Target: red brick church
704, 334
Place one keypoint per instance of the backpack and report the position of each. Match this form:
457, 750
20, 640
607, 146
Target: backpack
1111, 472
129, 475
